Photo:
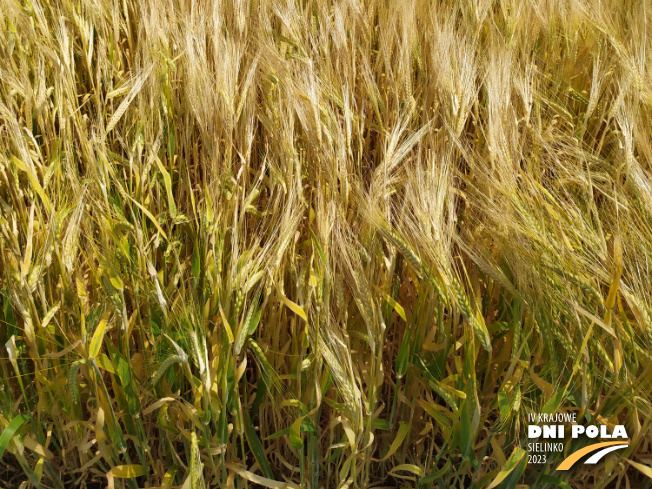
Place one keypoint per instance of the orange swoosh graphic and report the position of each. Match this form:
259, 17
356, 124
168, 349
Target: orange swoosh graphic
575, 456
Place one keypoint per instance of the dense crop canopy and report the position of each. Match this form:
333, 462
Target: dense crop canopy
338, 244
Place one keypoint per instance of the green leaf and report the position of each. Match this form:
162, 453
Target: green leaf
403, 356
554, 402
319, 250
504, 405
294, 432
278, 434
195, 260
261, 392
256, 446
222, 427
9, 316
253, 323
380, 424
436, 475
548, 479
10, 431
467, 433
124, 371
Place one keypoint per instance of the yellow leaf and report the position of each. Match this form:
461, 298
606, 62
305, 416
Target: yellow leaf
350, 434
390, 300
167, 180
104, 362
257, 479
100, 436
81, 289
27, 262
116, 281
138, 364
38, 470
643, 468
34, 181
514, 459
294, 307
30, 442
408, 468
98, 336
168, 478
546, 387
150, 215
227, 326
50, 314
498, 453
157, 405
128, 471
615, 284
440, 414
403, 430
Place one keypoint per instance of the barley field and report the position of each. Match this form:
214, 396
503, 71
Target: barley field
323, 243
